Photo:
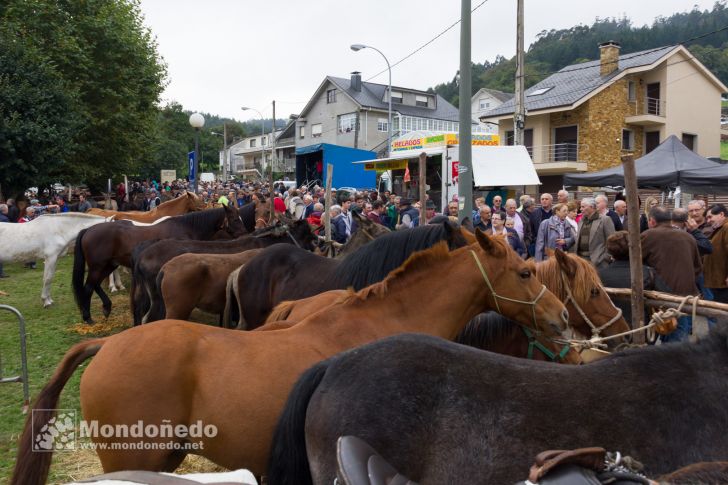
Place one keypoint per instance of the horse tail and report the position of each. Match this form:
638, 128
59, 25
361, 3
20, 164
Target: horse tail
31, 467
157, 310
288, 458
138, 299
281, 311
229, 299
79, 269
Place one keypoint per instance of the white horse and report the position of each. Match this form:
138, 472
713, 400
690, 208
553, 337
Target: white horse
115, 283
48, 237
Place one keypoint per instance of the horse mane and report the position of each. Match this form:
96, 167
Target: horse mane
73, 214
418, 262
484, 329
375, 260
549, 273
200, 220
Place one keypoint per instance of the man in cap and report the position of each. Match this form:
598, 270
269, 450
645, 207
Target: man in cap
409, 217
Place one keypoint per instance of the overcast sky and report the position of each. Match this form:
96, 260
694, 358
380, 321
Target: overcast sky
224, 54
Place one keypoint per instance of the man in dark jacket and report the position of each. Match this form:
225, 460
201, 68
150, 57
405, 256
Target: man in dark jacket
674, 255
409, 217
603, 208
338, 226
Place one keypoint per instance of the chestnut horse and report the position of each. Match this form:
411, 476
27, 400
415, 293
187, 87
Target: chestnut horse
292, 275
564, 274
183, 204
184, 373
106, 246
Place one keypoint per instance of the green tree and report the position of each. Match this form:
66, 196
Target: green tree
37, 117
102, 51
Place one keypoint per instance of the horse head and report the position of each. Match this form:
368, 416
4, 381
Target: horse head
457, 236
194, 203
301, 232
371, 229
233, 224
512, 288
591, 311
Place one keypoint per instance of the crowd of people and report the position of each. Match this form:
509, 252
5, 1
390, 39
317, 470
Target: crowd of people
685, 251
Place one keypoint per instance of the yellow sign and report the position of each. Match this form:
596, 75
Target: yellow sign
388, 165
443, 140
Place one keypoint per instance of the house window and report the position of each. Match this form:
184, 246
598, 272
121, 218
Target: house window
382, 124
347, 123
627, 140
631, 91
540, 91
301, 131
396, 97
484, 103
690, 141
263, 141
421, 101
252, 143
331, 96
316, 130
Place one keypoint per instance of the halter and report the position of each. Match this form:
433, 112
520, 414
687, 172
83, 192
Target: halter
288, 231
570, 298
496, 296
534, 343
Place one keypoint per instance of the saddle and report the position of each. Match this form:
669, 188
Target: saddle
584, 466
360, 464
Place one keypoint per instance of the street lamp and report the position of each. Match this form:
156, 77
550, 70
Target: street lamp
357, 48
197, 121
262, 134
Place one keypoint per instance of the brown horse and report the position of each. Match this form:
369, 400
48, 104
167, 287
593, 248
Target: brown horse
184, 373
190, 281
183, 204
564, 275
105, 249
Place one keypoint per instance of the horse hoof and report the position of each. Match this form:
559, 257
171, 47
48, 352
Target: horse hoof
47, 303
88, 321
113, 290
107, 312
122, 287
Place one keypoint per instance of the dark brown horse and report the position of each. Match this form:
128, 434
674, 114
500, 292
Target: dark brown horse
183, 373
106, 246
293, 275
148, 258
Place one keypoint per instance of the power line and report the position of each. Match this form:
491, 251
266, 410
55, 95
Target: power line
450, 27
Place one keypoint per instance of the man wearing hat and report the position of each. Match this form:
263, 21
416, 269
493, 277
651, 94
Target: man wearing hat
409, 217
429, 210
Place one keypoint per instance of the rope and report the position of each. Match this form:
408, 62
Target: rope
659, 317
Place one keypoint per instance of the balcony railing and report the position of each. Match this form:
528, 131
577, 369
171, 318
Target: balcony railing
651, 106
286, 165
560, 152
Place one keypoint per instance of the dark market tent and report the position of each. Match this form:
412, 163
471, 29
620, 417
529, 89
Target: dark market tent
713, 180
661, 168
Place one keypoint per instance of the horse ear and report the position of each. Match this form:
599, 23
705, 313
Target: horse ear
468, 224
565, 262
358, 216
487, 243
449, 228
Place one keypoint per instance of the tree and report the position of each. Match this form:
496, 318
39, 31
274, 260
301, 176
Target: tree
37, 117
102, 51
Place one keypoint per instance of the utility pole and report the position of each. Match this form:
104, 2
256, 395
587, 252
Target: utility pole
465, 149
519, 116
224, 153
270, 176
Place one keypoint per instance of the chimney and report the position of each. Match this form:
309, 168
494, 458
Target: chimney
356, 81
608, 57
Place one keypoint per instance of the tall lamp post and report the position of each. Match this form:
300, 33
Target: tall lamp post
358, 47
197, 121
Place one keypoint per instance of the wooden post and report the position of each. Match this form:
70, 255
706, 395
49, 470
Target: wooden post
423, 188
270, 178
635, 247
327, 216
667, 300
108, 196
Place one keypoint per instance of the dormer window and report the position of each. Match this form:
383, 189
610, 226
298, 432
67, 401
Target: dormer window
397, 97
421, 101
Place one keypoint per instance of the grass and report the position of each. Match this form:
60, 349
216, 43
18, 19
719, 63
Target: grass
50, 333
724, 150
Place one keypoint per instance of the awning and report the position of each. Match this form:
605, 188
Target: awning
407, 154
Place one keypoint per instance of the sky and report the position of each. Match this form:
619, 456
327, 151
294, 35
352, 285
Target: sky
225, 54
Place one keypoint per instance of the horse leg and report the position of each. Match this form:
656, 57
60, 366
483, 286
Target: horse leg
93, 283
115, 283
49, 269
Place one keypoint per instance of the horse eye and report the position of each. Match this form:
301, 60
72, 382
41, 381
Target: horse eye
525, 274
595, 292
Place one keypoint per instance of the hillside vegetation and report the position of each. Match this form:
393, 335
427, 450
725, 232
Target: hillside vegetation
555, 49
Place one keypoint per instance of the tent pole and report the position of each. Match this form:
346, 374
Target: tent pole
635, 248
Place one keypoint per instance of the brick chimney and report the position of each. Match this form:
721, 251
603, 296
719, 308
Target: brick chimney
356, 81
608, 57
